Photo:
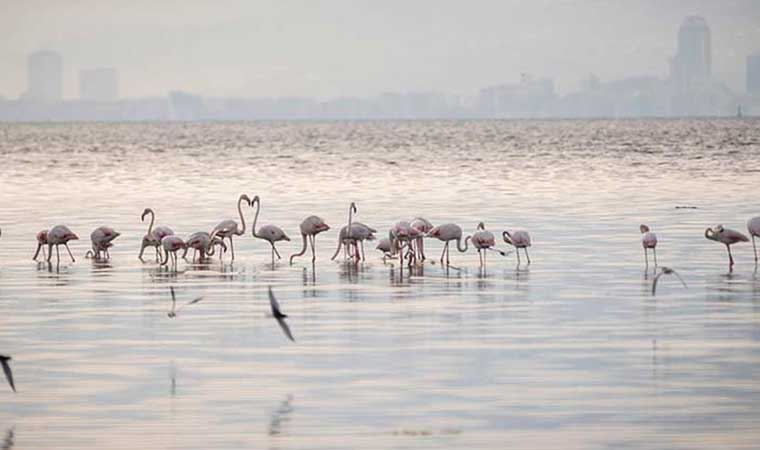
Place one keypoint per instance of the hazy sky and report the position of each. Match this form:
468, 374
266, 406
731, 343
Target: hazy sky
357, 47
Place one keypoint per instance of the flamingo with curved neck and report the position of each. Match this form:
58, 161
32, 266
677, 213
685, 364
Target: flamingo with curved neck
229, 228
726, 237
269, 233
310, 228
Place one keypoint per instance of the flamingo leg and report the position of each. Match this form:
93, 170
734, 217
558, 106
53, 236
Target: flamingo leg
730, 258
276, 252
754, 248
646, 258
312, 243
43, 252
654, 251
57, 255
517, 252
421, 243
448, 254
443, 253
273, 250
68, 250
526, 254
232, 249
362, 246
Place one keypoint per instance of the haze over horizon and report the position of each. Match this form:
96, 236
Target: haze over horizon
363, 48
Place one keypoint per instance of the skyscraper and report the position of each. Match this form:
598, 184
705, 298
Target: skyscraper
692, 63
44, 76
100, 85
753, 73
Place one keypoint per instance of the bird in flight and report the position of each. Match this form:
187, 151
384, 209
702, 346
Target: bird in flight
173, 312
7, 369
666, 271
279, 316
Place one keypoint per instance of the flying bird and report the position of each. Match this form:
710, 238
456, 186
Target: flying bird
7, 369
279, 316
666, 271
173, 312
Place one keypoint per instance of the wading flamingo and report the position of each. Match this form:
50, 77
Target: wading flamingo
648, 240
518, 240
402, 235
60, 235
153, 237
269, 233
449, 232
202, 242
423, 227
101, 239
41, 243
228, 228
172, 244
310, 228
727, 237
484, 240
359, 233
753, 226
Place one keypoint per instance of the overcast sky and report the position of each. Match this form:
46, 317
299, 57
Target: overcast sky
361, 47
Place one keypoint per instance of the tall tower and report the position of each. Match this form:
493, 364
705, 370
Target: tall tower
44, 76
692, 63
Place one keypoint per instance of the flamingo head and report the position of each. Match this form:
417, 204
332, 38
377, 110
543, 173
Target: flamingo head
481, 226
353, 207
245, 197
644, 228
508, 238
255, 200
145, 212
71, 236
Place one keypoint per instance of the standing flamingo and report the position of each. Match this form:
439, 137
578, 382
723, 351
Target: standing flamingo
269, 233
201, 241
649, 240
41, 243
101, 239
402, 235
172, 244
727, 237
423, 226
483, 240
228, 228
519, 240
310, 228
60, 235
449, 232
359, 234
753, 226
153, 237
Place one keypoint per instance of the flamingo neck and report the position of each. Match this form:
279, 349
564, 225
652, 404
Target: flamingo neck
303, 250
256, 216
240, 212
466, 245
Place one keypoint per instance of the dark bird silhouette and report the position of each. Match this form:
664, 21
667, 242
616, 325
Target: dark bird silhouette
7, 369
279, 316
666, 271
173, 312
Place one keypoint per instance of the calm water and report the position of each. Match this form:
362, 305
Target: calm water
572, 350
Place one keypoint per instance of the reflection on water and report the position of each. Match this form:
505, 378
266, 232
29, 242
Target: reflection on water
571, 350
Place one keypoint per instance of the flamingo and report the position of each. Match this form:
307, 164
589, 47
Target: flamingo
449, 232
153, 237
483, 240
201, 241
384, 245
172, 244
727, 237
519, 240
649, 240
101, 239
402, 232
60, 235
423, 226
310, 228
269, 233
228, 228
753, 226
359, 233
41, 243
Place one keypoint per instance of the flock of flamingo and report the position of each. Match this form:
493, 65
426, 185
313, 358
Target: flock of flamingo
405, 239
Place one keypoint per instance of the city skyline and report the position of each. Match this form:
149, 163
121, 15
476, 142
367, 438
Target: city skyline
358, 49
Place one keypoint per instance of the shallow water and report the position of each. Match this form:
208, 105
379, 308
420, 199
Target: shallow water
572, 350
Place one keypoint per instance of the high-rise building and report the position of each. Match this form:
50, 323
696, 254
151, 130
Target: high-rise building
101, 85
692, 63
44, 76
753, 73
